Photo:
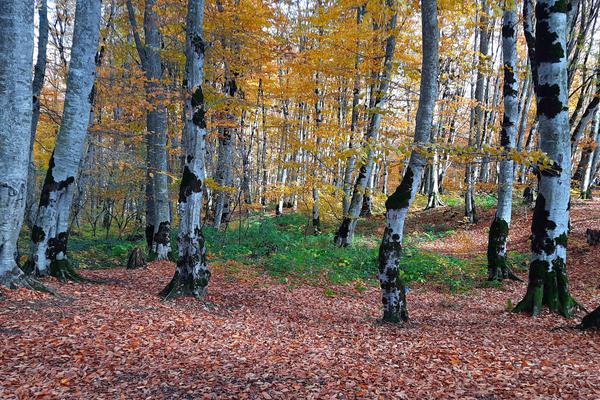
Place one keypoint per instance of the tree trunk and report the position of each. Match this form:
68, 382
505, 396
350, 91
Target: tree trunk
49, 234
156, 124
478, 113
136, 259
345, 232
587, 116
158, 222
192, 273
38, 83
397, 205
496, 252
548, 283
590, 167
223, 176
350, 163
16, 55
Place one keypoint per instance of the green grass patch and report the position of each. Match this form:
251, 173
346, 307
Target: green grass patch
281, 248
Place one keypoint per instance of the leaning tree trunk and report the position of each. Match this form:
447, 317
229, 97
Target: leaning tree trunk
498, 235
38, 83
587, 117
49, 234
192, 273
548, 283
349, 168
345, 232
16, 55
397, 205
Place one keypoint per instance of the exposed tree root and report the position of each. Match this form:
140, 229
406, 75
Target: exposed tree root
537, 297
15, 281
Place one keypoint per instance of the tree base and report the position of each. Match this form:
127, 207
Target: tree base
136, 259
434, 201
20, 280
501, 274
185, 286
393, 318
64, 272
537, 297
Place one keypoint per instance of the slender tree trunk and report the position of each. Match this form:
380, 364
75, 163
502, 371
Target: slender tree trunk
548, 283
192, 274
156, 120
223, 175
16, 59
498, 236
587, 116
316, 216
433, 190
475, 136
39, 74
353, 121
49, 234
345, 232
590, 164
397, 205
158, 222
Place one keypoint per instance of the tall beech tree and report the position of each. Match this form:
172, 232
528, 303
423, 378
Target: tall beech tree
345, 232
477, 115
49, 234
498, 235
192, 273
397, 205
548, 283
158, 218
16, 62
39, 73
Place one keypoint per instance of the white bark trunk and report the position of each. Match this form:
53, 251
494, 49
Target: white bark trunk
345, 232
498, 235
192, 273
397, 205
16, 55
50, 231
548, 284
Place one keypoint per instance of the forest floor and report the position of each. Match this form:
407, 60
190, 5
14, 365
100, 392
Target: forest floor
256, 337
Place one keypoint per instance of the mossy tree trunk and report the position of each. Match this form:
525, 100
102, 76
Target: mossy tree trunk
16, 55
548, 283
49, 234
397, 205
192, 274
498, 235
